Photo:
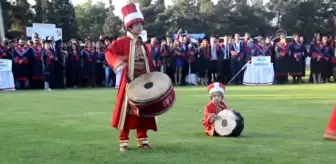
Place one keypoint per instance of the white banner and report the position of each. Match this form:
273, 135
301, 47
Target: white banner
258, 75
261, 61
6, 75
44, 32
5, 65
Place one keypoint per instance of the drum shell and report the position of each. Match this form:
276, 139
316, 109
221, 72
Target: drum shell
232, 116
240, 126
155, 107
137, 87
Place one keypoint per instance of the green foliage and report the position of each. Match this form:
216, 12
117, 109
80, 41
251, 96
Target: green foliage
113, 24
92, 20
64, 16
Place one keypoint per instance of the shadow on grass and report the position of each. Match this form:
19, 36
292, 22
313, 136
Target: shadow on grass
249, 135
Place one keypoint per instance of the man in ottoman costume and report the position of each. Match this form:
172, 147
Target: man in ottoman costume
130, 56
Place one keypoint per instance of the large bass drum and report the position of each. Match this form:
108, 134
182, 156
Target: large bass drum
230, 124
151, 94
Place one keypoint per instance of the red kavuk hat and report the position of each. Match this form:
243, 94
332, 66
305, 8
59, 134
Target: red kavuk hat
132, 14
216, 87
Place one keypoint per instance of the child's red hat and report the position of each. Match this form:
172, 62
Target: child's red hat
216, 87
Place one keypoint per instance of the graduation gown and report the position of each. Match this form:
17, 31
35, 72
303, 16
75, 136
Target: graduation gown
203, 61
316, 65
298, 51
191, 59
58, 73
37, 64
119, 52
88, 63
99, 66
210, 111
264, 50
21, 59
281, 68
168, 60
249, 50
4, 53
333, 57
327, 54
154, 50
48, 65
226, 65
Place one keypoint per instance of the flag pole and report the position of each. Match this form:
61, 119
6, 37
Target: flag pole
2, 29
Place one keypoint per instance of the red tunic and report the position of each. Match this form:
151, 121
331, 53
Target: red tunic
125, 51
210, 111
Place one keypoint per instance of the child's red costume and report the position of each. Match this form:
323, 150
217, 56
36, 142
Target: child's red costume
211, 109
209, 112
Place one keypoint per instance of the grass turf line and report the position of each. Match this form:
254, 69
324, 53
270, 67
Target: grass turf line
284, 124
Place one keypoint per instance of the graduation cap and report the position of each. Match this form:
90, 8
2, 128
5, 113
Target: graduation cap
46, 41
205, 38
49, 38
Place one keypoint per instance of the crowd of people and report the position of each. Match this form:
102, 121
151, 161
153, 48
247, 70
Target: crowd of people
45, 63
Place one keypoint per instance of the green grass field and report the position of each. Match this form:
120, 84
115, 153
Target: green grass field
283, 124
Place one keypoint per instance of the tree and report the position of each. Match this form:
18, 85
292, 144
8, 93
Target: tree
144, 2
90, 19
7, 14
113, 25
64, 17
48, 14
38, 17
205, 6
184, 14
23, 16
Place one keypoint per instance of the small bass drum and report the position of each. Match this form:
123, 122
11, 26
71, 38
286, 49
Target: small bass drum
151, 94
230, 124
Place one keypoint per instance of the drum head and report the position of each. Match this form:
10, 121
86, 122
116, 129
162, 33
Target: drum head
227, 123
148, 87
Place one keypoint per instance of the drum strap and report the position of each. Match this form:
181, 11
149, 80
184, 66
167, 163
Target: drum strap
124, 111
133, 51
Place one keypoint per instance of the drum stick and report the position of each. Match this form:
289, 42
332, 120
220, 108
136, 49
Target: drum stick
239, 72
